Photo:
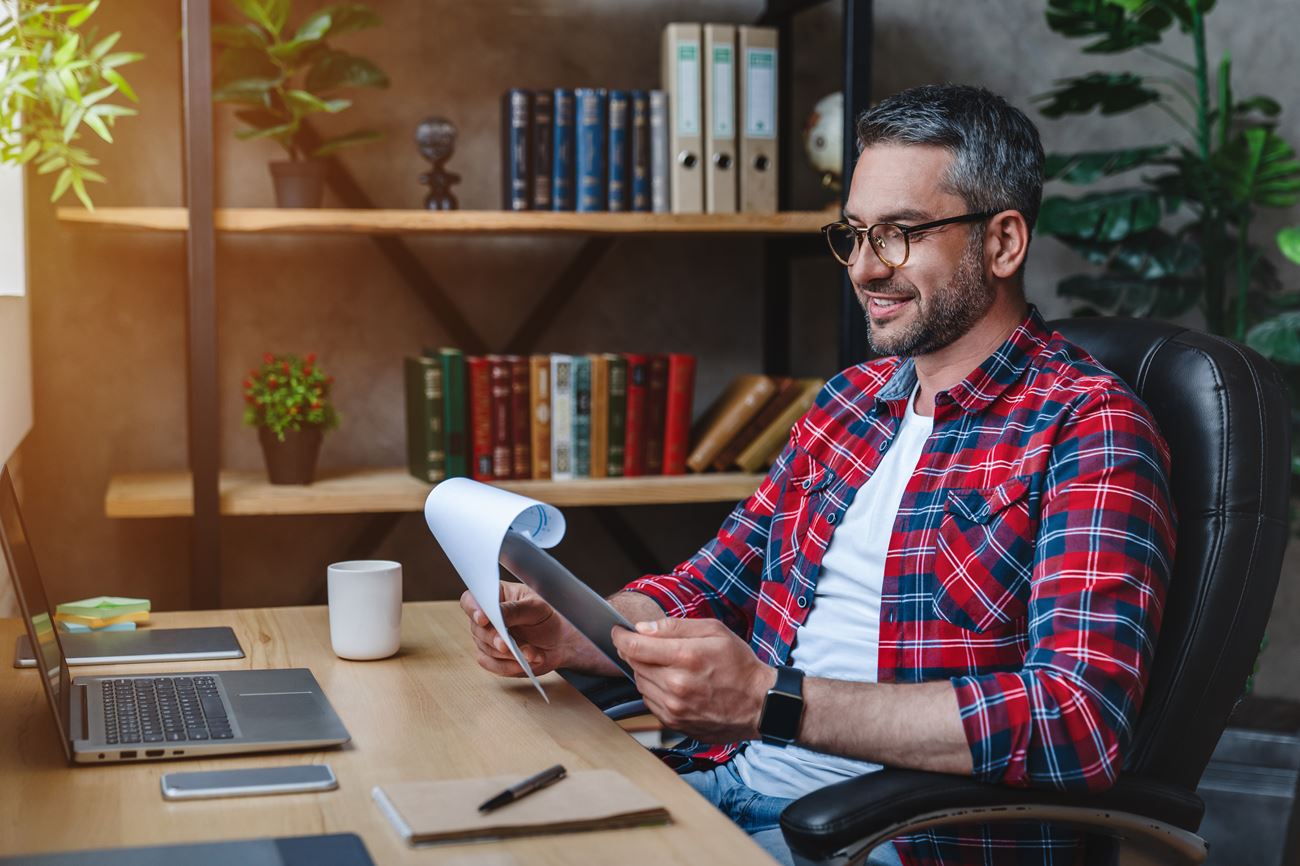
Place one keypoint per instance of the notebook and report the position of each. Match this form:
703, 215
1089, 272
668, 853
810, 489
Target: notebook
447, 811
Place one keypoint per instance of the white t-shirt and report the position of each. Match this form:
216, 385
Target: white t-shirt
841, 636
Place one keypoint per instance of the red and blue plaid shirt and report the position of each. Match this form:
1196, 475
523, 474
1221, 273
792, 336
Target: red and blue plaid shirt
1028, 566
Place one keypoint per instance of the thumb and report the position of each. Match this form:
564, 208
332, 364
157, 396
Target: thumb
666, 627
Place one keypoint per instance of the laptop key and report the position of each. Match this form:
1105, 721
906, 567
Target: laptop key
197, 735
223, 735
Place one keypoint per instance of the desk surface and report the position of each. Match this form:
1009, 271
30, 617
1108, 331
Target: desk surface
428, 713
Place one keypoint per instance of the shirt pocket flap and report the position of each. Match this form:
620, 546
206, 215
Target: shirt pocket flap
982, 505
807, 474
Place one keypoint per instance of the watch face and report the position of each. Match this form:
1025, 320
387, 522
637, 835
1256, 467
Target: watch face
781, 714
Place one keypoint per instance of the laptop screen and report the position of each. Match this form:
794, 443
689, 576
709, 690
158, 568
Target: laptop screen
36, 609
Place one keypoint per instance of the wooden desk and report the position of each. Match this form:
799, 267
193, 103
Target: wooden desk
428, 713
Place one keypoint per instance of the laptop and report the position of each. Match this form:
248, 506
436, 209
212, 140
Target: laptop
147, 717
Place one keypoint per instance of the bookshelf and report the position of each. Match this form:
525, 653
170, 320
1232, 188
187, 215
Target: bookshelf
402, 222
377, 491
207, 492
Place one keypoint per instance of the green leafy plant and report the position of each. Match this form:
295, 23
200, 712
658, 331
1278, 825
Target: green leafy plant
56, 80
288, 392
1180, 237
279, 76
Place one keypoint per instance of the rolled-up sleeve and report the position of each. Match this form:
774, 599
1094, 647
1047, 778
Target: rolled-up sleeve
1102, 562
721, 581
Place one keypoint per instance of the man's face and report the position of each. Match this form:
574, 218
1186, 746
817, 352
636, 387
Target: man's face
942, 291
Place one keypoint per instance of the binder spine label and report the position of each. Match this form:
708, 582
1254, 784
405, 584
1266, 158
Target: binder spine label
760, 93
724, 93
688, 88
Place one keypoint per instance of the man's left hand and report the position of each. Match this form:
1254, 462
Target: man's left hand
697, 677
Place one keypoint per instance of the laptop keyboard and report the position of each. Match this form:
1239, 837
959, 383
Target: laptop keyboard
164, 710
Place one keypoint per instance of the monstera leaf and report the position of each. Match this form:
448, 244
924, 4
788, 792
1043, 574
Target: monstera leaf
1120, 25
1278, 338
1288, 241
1111, 93
1092, 165
1105, 216
1125, 295
1258, 168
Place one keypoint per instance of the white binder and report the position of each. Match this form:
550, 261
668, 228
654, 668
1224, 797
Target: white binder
682, 76
759, 116
720, 118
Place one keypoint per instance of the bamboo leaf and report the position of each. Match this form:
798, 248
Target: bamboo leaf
52, 165
61, 185
28, 152
79, 187
104, 45
76, 19
115, 77
97, 123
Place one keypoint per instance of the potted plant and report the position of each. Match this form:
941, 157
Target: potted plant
287, 400
56, 80
279, 76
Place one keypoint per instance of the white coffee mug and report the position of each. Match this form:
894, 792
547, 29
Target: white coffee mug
365, 608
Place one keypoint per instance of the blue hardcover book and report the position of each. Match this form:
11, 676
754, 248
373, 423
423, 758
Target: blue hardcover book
639, 150
581, 416
620, 121
543, 138
562, 162
592, 111
516, 154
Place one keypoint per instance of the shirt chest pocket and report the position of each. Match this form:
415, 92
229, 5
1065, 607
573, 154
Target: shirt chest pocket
799, 527
984, 555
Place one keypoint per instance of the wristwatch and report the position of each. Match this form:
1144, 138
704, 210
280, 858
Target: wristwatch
778, 724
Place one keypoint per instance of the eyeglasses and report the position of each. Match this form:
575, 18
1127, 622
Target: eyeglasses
890, 242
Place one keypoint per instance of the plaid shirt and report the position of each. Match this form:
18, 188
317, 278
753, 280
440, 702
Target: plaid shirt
1028, 566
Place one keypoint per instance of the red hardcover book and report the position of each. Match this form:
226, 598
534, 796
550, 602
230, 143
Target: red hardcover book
656, 410
634, 435
503, 457
677, 413
479, 374
521, 418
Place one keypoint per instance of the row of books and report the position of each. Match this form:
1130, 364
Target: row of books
705, 142
558, 417
749, 423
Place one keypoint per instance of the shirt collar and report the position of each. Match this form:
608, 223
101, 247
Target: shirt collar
987, 381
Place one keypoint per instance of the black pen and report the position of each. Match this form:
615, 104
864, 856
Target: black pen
549, 776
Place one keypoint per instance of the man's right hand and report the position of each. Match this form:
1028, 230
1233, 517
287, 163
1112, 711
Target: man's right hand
544, 637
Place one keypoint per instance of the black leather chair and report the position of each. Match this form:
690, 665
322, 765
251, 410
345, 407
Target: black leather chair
1224, 411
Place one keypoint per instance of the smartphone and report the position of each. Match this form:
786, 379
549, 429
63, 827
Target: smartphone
248, 782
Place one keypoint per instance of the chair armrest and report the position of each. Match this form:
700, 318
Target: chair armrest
857, 814
617, 697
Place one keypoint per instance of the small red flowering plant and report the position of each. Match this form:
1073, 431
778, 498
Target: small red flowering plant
288, 392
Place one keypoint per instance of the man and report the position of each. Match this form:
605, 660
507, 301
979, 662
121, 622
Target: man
959, 561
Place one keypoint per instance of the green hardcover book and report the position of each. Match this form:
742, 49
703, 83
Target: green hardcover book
425, 458
456, 443
617, 413
581, 417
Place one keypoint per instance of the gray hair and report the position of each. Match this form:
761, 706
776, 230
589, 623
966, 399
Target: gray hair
998, 157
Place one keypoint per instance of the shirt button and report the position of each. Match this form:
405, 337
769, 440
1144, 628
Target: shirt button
807, 482
803, 601
831, 518
883, 446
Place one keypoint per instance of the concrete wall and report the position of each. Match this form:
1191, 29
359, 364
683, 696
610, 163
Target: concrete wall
108, 308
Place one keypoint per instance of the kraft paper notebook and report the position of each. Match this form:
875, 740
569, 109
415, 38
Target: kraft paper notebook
447, 811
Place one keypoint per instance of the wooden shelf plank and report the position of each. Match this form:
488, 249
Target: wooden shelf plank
365, 491
393, 222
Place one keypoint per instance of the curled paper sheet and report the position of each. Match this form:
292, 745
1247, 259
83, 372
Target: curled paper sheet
470, 520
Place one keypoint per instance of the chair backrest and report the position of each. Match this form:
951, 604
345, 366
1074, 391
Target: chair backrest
1225, 413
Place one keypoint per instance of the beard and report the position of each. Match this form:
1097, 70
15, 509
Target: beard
948, 314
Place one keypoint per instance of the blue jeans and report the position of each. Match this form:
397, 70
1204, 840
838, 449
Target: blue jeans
760, 815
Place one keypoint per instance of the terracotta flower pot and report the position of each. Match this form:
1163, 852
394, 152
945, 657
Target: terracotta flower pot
298, 184
292, 461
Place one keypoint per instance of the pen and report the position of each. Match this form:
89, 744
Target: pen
549, 776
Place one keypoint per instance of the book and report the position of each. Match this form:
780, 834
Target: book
787, 390
425, 458
478, 378
502, 425
592, 110
539, 394
617, 413
639, 152
521, 435
562, 417
656, 410
634, 429
446, 810
677, 412
737, 404
516, 164
660, 184
619, 187
767, 446
581, 417
542, 141
455, 442
599, 415
562, 151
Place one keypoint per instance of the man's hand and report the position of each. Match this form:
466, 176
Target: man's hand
697, 677
544, 637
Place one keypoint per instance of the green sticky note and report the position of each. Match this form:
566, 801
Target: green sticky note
104, 606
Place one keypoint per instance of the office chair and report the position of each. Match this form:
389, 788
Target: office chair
1225, 413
